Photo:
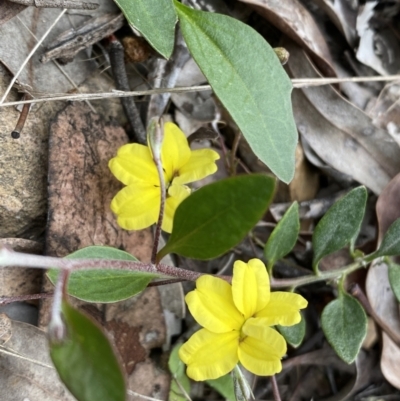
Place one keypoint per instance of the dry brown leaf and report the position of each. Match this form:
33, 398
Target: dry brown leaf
343, 14
293, 19
379, 46
387, 206
341, 134
386, 111
18, 41
379, 291
26, 371
390, 361
9, 10
385, 305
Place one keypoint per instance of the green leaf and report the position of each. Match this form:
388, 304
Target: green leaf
344, 323
104, 285
85, 360
224, 386
283, 238
394, 279
179, 379
340, 225
390, 245
294, 335
247, 77
154, 19
216, 217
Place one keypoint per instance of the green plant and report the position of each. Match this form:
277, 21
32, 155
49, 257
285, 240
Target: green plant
257, 95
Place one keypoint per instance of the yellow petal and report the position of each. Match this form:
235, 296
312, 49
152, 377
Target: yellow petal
283, 308
209, 355
177, 193
137, 206
212, 306
261, 351
250, 286
175, 150
200, 165
133, 164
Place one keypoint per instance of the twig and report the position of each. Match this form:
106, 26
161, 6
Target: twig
117, 62
30, 55
9, 300
235, 146
356, 291
297, 83
275, 389
22, 119
61, 69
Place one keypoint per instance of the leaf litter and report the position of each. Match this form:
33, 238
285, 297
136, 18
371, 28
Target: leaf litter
344, 142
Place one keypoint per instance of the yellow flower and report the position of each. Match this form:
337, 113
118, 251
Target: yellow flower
138, 204
236, 320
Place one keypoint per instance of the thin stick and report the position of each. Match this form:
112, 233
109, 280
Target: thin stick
16, 133
357, 293
157, 140
275, 389
20, 298
61, 69
297, 83
30, 55
117, 61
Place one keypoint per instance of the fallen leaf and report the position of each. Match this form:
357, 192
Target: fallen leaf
293, 19
378, 288
18, 41
343, 14
379, 46
387, 206
385, 113
341, 134
9, 10
26, 370
390, 361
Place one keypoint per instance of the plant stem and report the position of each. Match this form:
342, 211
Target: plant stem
323, 276
57, 329
156, 138
275, 389
10, 258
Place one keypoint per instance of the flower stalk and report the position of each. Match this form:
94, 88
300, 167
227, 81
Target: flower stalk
155, 135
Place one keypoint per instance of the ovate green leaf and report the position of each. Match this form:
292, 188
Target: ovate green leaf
390, 245
216, 217
154, 19
224, 386
344, 323
85, 360
340, 225
104, 285
294, 335
394, 278
283, 238
180, 383
247, 77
